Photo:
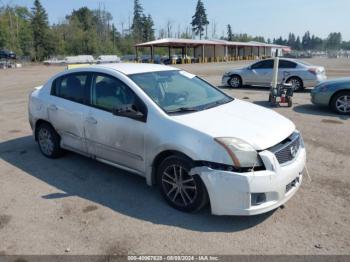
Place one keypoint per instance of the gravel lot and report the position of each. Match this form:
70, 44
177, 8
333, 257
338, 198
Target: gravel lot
78, 206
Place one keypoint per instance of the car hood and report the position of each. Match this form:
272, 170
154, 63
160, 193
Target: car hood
344, 80
237, 70
259, 126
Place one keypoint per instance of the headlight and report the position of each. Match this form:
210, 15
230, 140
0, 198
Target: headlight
241, 153
323, 87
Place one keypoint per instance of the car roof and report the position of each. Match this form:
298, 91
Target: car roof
282, 58
133, 68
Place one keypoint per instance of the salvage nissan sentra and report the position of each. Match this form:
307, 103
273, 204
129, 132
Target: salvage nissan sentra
193, 141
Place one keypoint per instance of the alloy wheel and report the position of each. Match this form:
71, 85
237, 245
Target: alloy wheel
295, 83
180, 187
45, 141
235, 82
343, 104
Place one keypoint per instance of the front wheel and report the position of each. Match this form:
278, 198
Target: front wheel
235, 81
181, 190
341, 103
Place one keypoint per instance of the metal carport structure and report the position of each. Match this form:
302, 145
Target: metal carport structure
214, 50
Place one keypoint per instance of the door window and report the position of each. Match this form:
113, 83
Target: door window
109, 93
71, 87
286, 64
265, 64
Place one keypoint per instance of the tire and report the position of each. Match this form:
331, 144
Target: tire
235, 81
48, 141
297, 83
270, 98
340, 103
189, 199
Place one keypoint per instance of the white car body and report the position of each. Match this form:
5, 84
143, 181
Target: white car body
136, 145
288, 69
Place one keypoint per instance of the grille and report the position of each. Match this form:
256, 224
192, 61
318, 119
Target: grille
288, 149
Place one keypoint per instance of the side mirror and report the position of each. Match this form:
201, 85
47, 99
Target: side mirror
129, 111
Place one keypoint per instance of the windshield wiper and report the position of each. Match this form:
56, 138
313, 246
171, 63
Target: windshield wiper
219, 102
183, 109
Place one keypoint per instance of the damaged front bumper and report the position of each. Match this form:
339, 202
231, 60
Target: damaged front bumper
253, 193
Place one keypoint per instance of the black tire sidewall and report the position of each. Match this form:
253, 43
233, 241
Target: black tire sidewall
57, 151
201, 198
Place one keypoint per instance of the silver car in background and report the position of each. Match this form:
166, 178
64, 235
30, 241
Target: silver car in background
299, 73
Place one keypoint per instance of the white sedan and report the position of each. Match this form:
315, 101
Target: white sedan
193, 141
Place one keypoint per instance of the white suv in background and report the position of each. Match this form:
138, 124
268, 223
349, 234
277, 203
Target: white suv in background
193, 141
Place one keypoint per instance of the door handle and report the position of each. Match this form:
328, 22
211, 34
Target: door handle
91, 120
53, 107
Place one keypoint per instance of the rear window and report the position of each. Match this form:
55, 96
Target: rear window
71, 87
304, 63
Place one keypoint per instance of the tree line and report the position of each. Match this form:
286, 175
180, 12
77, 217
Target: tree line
92, 31
83, 31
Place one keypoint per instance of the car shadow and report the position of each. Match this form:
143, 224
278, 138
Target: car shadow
264, 104
125, 193
254, 88
318, 110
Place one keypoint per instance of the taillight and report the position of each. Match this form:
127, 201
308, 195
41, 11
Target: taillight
313, 71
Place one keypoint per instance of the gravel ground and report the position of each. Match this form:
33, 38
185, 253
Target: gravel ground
75, 205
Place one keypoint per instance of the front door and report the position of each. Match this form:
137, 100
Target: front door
260, 73
116, 139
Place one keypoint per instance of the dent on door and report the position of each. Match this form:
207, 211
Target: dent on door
67, 118
116, 139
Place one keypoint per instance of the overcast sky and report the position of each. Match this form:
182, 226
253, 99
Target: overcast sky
269, 18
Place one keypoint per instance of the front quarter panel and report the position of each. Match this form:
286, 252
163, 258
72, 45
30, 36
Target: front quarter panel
165, 134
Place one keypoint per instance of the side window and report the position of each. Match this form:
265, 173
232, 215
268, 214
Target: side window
257, 65
71, 87
286, 64
109, 93
265, 64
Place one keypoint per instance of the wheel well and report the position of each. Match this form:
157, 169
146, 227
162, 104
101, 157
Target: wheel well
236, 75
336, 93
160, 157
37, 124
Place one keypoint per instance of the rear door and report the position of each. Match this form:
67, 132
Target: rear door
67, 108
260, 73
286, 68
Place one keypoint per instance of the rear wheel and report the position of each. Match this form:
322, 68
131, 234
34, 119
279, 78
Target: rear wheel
297, 83
341, 103
235, 81
48, 141
181, 190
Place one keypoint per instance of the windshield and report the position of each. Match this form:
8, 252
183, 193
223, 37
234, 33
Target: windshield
178, 91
